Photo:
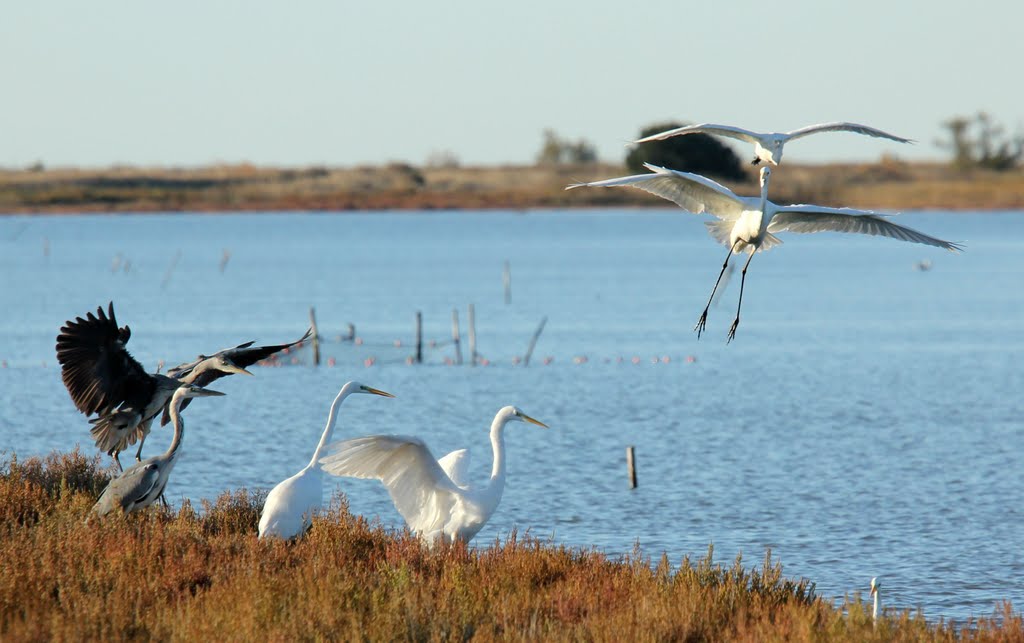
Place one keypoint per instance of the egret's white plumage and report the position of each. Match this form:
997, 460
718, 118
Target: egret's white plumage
750, 223
768, 145
431, 495
289, 508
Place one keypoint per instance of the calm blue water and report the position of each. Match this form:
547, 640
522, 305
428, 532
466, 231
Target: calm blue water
865, 422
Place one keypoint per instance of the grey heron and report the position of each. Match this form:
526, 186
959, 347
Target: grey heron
750, 223
289, 508
431, 495
768, 145
104, 379
141, 484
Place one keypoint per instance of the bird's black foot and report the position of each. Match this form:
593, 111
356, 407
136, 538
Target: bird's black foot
755, 161
699, 328
732, 330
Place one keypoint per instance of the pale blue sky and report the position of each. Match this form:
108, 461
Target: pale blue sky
346, 83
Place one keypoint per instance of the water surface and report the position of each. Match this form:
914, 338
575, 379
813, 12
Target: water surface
865, 421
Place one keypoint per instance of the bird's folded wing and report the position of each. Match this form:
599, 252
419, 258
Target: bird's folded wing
421, 490
812, 218
704, 128
129, 488
96, 368
691, 192
846, 127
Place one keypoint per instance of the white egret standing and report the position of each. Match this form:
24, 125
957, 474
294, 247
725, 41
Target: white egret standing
431, 495
874, 592
749, 223
768, 145
289, 508
141, 484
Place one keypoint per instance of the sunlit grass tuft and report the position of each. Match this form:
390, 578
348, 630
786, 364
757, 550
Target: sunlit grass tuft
203, 575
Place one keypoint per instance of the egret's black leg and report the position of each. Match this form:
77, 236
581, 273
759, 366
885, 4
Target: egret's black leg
704, 316
743, 279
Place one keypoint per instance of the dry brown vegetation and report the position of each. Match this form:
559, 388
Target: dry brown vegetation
189, 575
888, 184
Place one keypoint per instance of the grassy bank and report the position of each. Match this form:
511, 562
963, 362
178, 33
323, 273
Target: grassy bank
202, 575
889, 185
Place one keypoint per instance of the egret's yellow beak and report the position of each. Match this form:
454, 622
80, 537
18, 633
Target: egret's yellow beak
367, 389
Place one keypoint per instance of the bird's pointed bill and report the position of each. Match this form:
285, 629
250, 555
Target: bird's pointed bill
205, 392
367, 389
527, 418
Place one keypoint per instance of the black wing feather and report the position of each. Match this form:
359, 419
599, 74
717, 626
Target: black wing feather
96, 368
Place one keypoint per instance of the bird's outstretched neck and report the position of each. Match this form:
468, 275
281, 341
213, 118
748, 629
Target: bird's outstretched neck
332, 418
498, 446
179, 424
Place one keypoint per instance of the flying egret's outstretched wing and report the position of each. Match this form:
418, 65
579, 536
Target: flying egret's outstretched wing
813, 218
845, 127
456, 465
706, 128
97, 369
422, 492
691, 192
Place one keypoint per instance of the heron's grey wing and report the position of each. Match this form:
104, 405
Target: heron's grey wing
456, 465
845, 127
96, 368
706, 128
691, 192
242, 356
422, 492
246, 354
128, 489
813, 218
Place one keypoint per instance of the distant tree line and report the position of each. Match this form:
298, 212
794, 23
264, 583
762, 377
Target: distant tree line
556, 150
981, 142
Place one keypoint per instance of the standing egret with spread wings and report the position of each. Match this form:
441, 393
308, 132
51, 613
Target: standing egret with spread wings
431, 495
768, 145
289, 508
750, 223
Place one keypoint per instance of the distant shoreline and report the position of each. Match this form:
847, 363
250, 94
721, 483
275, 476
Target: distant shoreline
888, 185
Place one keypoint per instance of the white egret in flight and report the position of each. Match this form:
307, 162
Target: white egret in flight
431, 495
768, 145
141, 484
750, 223
289, 508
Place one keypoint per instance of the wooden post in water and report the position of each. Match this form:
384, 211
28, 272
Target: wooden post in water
316, 336
533, 341
419, 337
472, 336
456, 335
351, 332
506, 280
631, 466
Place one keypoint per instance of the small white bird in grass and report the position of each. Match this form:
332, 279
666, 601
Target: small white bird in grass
768, 145
874, 592
749, 223
431, 495
289, 508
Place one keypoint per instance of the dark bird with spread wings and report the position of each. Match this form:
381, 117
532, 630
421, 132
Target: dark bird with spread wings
104, 379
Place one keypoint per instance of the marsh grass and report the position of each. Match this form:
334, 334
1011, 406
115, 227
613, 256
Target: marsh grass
203, 575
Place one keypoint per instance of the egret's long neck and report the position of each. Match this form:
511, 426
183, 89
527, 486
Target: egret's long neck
874, 612
498, 446
179, 424
764, 192
332, 417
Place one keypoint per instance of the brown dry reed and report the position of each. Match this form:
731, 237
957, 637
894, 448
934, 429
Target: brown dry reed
203, 576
